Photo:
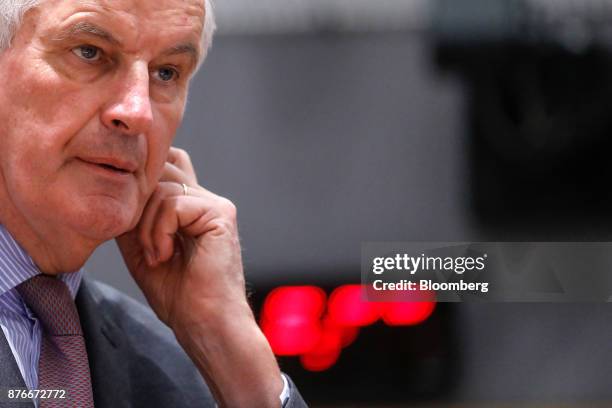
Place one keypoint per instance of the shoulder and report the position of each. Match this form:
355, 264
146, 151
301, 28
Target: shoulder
125, 336
150, 354
134, 318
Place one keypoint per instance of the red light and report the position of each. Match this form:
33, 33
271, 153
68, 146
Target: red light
407, 313
326, 352
291, 337
346, 308
290, 318
303, 301
319, 362
348, 335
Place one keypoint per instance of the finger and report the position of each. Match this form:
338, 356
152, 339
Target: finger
193, 216
150, 217
180, 158
177, 175
147, 221
163, 190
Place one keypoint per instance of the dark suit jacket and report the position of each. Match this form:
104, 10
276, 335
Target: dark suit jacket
134, 359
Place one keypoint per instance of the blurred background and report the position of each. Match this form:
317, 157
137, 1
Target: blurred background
335, 122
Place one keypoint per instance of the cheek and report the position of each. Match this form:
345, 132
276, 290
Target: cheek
46, 102
30, 159
41, 113
158, 153
159, 142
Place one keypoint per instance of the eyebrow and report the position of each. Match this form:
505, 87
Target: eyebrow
186, 48
84, 27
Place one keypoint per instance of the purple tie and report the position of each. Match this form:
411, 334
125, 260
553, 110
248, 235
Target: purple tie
63, 361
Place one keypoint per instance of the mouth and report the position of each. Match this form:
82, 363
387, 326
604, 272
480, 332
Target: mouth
113, 168
117, 166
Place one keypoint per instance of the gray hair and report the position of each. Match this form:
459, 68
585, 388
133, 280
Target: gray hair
12, 12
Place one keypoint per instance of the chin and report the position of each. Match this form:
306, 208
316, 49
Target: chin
105, 218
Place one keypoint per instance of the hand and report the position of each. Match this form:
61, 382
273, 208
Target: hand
185, 256
185, 251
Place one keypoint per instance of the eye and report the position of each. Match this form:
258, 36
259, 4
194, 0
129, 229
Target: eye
87, 52
166, 74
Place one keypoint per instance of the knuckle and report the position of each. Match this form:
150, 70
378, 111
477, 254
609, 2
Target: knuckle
182, 154
228, 207
224, 227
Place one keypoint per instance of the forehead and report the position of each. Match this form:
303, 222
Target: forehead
135, 21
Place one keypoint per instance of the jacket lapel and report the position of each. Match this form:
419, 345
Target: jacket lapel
10, 376
109, 377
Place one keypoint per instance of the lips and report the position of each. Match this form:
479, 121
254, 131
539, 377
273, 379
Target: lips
112, 163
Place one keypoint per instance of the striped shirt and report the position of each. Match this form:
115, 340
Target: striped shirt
21, 328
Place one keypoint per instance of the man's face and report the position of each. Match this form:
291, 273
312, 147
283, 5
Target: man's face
92, 94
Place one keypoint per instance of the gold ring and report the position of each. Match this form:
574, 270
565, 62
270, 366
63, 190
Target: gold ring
184, 188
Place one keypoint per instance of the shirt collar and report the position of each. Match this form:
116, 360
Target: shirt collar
16, 266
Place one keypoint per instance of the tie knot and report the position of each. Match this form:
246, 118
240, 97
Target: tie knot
51, 302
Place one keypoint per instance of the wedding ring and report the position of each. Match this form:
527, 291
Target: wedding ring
184, 188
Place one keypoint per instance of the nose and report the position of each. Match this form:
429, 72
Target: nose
129, 109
